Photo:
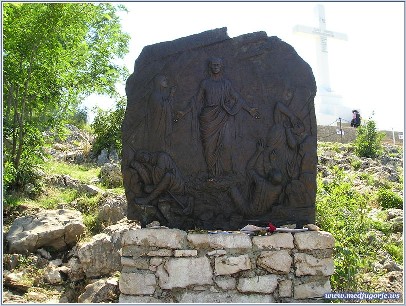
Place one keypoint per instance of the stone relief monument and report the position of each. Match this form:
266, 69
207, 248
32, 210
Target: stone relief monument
220, 132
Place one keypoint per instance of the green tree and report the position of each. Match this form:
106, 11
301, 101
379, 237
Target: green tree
54, 55
368, 140
107, 128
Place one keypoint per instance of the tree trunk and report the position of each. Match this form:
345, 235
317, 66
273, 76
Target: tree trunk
8, 105
21, 118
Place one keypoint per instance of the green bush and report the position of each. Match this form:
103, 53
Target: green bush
9, 175
396, 251
368, 140
26, 170
93, 224
356, 164
388, 199
107, 128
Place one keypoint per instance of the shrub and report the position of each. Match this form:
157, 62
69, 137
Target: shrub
356, 164
368, 140
396, 251
9, 175
19, 172
107, 128
388, 199
93, 224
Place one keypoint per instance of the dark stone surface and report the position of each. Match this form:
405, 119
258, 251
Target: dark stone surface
220, 132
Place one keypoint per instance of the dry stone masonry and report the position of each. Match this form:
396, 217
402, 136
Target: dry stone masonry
161, 265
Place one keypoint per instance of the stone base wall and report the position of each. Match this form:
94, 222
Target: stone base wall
171, 266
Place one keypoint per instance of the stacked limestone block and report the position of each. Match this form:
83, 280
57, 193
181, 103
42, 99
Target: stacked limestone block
172, 266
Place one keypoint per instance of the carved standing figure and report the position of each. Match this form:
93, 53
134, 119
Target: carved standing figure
159, 115
216, 101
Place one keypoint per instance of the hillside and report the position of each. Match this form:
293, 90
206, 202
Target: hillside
359, 200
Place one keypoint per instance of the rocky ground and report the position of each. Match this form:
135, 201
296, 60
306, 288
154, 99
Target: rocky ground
43, 263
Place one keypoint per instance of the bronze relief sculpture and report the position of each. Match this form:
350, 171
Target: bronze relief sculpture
230, 146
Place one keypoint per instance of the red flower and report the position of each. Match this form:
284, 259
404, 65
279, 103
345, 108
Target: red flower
271, 227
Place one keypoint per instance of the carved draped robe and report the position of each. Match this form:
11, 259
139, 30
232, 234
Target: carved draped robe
219, 103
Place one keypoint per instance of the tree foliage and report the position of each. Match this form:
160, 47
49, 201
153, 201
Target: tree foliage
54, 55
107, 128
368, 141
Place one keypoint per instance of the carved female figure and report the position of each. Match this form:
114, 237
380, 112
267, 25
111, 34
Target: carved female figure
159, 115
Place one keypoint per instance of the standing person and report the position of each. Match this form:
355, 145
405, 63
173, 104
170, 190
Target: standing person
356, 119
216, 102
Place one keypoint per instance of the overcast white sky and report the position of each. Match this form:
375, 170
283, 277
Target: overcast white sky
367, 70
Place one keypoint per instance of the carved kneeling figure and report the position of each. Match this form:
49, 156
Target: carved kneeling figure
159, 175
264, 192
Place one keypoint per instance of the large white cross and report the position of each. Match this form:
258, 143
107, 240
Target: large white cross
322, 54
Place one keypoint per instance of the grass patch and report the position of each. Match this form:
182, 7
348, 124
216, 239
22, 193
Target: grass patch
367, 178
55, 196
342, 211
85, 173
93, 224
117, 190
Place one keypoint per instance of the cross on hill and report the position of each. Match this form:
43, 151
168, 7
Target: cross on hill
322, 54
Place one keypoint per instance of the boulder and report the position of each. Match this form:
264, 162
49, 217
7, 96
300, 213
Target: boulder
52, 275
112, 208
75, 270
110, 175
103, 158
90, 189
102, 291
225, 282
15, 281
285, 288
58, 229
99, 256
137, 299
10, 261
